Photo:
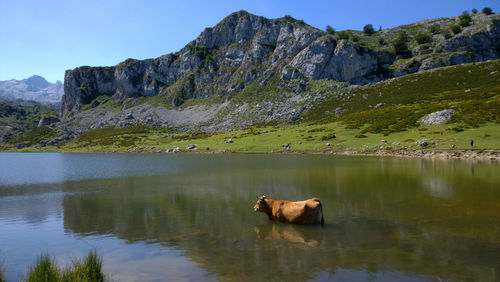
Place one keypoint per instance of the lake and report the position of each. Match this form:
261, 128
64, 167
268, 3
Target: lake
188, 217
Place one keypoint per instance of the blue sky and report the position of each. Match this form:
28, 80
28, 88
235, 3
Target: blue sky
51, 36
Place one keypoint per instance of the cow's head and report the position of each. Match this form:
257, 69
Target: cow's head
261, 204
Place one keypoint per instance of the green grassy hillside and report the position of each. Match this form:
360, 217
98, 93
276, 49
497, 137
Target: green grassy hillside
19, 117
472, 90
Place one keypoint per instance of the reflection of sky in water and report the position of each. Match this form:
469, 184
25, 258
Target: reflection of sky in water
31, 168
438, 187
363, 275
384, 216
126, 262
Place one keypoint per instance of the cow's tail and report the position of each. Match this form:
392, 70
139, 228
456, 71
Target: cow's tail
321, 210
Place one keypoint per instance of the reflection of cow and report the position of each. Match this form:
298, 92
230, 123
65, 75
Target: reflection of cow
303, 212
289, 233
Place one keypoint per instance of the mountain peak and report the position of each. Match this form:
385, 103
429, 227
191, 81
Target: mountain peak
34, 88
37, 81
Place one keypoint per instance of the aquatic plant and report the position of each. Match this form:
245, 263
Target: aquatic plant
88, 269
45, 269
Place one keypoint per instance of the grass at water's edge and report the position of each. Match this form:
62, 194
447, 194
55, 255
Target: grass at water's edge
87, 269
303, 138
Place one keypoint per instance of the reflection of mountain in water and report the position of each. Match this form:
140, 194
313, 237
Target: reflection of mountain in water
33, 204
389, 227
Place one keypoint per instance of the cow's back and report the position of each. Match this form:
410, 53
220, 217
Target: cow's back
302, 212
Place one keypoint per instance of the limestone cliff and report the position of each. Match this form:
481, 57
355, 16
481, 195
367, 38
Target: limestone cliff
245, 51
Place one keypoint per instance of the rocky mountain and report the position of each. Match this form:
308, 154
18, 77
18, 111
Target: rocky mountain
34, 88
249, 69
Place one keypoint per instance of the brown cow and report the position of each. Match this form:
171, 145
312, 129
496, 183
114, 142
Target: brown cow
303, 212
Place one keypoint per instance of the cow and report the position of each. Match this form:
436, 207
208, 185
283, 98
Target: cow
303, 212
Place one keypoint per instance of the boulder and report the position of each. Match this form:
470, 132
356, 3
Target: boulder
191, 146
439, 117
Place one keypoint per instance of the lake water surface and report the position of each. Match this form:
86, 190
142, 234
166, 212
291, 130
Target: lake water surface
154, 217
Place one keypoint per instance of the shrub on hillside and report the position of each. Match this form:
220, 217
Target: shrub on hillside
464, 19
446, 33
368, 29
455, 28
435, 29
487, 11
474, 11
330, 30
343, 34
328, 136
423, 37
400, 46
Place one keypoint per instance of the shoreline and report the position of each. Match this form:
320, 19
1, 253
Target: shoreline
452, 154
466, 155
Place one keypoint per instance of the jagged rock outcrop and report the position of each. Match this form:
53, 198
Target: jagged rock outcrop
223, 59
474, 43
244, 52
47, 120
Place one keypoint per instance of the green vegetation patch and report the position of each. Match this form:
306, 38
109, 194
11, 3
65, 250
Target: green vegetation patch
387, 119
205, 54
45, 269
127, 64
268, 45
396, 105
176, 94
35, 136
25, 116
112, 135
88, 269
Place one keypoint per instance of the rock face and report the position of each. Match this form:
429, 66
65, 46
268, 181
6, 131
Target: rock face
437, 117
224, 59
34, 88
47, 120
245, 51
474, 43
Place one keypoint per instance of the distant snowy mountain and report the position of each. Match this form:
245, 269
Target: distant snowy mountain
34, 88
